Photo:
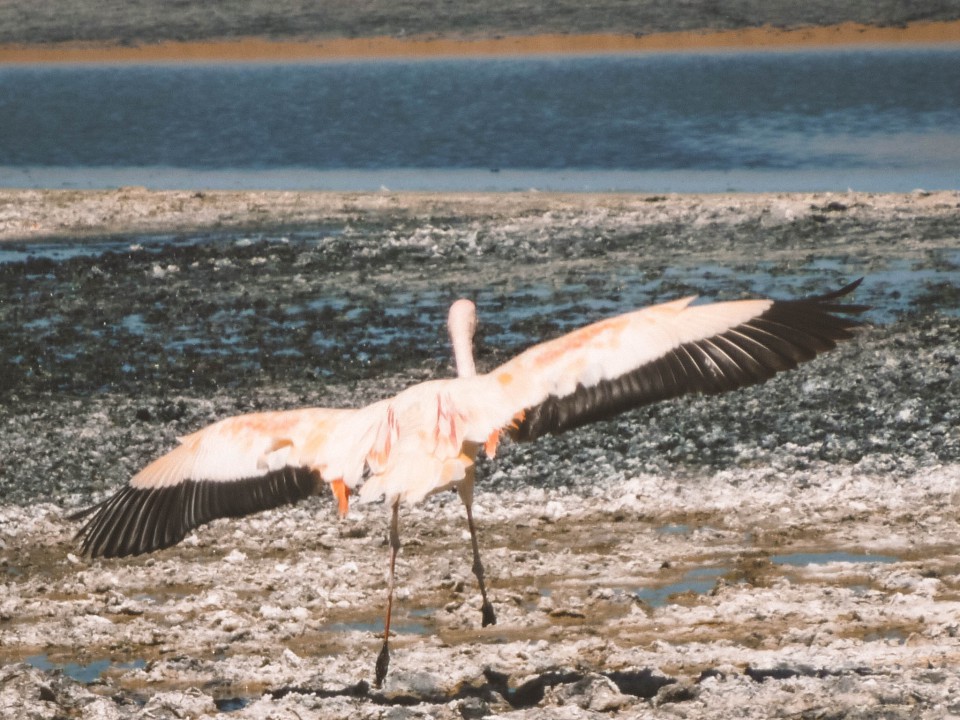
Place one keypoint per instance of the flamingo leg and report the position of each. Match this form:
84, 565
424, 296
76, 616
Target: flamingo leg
383, 659
466, 495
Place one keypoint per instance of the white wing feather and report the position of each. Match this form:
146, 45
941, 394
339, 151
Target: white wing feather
247, 446
613, 347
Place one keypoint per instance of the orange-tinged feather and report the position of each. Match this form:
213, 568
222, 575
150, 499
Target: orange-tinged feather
380, 452
568, 343
490, 446
342, 493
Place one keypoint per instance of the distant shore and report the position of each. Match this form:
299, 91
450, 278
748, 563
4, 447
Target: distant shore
260, 49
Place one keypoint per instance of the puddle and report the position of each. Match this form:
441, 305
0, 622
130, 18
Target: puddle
894, 635
85, 674
802, 559
233, 704
58, 252
684, 529
680, 529
147, 245
400, 626
702, 580
699, 581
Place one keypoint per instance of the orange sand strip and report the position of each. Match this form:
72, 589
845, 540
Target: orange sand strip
257, 49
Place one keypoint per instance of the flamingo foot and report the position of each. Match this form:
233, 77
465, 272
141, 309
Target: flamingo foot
383, 664
489, 616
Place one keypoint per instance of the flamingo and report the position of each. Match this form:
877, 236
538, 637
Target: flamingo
427, 438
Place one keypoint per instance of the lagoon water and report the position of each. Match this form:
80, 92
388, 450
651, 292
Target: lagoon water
825, 120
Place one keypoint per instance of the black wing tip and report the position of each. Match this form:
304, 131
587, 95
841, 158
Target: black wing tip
826, 298
83, 512
134, 521
845, 290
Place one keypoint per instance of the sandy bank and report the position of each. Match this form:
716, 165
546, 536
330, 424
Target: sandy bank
250, 49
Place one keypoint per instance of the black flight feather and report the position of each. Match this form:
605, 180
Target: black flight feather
787, 333
135, 520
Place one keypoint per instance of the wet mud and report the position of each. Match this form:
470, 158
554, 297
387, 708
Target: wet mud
787, 550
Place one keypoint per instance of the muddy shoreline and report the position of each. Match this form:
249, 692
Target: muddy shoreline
792, 549
259, 49
285, 30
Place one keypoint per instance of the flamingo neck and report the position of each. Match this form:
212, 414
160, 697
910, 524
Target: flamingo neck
463, 355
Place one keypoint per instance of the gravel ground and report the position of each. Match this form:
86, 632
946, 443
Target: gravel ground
790, 550
138, 21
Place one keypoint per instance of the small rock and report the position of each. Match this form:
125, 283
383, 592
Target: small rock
235, 557
473, 708
566, 612
605, 696
592, 692
681, 691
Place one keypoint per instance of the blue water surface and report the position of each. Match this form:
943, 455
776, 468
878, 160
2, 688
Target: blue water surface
861, 118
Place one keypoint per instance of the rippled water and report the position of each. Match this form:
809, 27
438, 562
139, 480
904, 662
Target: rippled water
869, 119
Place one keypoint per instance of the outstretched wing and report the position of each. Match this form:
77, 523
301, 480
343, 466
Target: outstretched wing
665, 351
238, 466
